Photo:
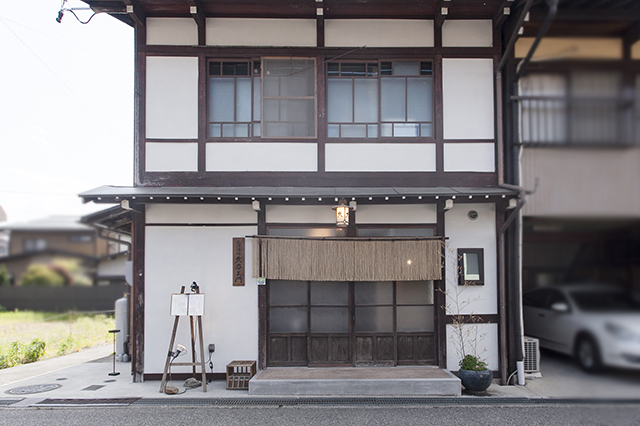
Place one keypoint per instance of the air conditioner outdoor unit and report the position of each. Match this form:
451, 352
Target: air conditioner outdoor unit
531, 355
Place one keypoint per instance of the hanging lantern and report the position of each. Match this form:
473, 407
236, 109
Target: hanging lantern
342, 213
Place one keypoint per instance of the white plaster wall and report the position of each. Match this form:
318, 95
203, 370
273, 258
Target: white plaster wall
469, 157
172, 31
467, 91
172, 97
300, 214
259, 157
171, 157
487, 346
411, 213
177, 256
465, 233
391, 157
208, 213
467, 33
261, 32
378, 33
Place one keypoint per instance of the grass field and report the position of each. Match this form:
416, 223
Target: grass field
27, 336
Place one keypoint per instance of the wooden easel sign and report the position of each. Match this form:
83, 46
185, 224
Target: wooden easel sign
187, 304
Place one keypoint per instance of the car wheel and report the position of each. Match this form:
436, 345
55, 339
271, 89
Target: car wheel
588, 354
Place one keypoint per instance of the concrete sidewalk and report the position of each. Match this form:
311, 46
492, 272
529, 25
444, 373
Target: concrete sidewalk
84, 377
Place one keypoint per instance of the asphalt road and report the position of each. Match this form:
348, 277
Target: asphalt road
565, 415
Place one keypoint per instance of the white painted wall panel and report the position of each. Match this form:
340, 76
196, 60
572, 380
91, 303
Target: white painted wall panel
207, 213
467, 33
410, 213
378, 33
258, 157
261, 32
300, 214
466, 233
176, 256
469, 157
172, 31
171, 157
392, 157
172, 98
467, 91
487, 347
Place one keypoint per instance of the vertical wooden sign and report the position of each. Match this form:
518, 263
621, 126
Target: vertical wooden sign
238, 261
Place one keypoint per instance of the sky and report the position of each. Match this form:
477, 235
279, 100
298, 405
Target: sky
66, 108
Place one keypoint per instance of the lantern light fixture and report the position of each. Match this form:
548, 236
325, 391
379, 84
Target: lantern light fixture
342, 213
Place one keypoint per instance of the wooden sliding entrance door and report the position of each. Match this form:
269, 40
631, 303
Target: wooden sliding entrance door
350, 323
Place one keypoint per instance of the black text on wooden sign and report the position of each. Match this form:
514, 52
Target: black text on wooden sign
238, 261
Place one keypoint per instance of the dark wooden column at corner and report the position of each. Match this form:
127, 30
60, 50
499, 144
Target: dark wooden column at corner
439, 296
137, 336
262, 296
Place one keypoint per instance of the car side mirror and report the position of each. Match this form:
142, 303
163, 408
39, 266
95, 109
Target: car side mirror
560, 307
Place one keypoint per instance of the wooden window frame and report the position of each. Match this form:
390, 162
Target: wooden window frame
461, 253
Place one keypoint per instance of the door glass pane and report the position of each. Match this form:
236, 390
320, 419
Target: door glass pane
415, 318
414, 292
426, 130
406, 68
221, 103
374, 319
372, 130
366, 100
403, 130
330, 293
339, 101
329, 320
243, 99
333, 131
256, 98
392, 99
287, 293
354, 130
419, 99
288, 320
374, 293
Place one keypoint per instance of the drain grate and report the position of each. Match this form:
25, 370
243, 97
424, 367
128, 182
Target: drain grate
93, 388
87, 401
25, 390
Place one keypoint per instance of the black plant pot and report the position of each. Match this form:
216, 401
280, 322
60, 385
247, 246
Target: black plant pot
475, 381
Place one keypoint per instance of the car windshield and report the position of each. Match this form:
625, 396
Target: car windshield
604, 301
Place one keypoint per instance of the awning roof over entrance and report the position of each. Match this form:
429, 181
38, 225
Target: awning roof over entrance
115, 194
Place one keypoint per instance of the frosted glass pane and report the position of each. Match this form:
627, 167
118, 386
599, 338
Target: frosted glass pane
471, 266
414, 293
243, 99
287, 293
406, 68
329, 320
419, 99
214, 130
256, 129
387, 130
373, 130
415, 318
288, 320
374, 293
366, 101
393, 99
406, 130
228, 130
339, 101
333, 131
354, 130
374, 319
329, 293
256, 98
221, 103
426, 130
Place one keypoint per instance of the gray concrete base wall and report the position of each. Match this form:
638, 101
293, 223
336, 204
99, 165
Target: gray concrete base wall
60, 299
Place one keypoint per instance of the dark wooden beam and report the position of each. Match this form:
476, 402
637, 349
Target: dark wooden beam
320, 24
137, 335
441, 13
633, 35
135, 12
503, 13
197, 13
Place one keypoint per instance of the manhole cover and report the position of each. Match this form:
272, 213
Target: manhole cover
23, 390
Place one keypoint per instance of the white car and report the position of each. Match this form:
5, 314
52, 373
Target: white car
597, 324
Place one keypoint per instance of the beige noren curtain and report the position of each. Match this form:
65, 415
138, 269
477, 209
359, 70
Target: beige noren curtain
339, 259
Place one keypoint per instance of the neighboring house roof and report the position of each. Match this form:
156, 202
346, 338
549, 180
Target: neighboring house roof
51, 223
114, 218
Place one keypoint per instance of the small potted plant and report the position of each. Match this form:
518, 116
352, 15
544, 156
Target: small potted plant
467, 335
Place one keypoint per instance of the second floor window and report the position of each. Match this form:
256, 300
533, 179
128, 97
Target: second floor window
271, 98
386, 99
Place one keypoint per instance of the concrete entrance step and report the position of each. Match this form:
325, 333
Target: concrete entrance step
355, 381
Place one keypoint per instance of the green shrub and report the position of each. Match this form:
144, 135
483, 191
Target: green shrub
42, 275
34, 350
68, 345
470, 362
3, 309
4, 276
